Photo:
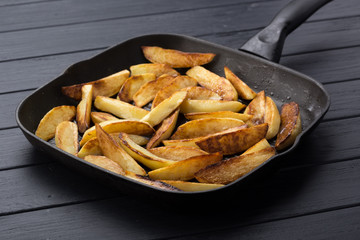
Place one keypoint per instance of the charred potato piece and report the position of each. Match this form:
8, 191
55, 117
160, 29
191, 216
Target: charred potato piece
257, 108
204, 127
243, 90
231, 142
107, 86
290, 126
231, 169
175, 58
214, 82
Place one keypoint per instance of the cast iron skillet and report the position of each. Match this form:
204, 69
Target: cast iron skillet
256, 64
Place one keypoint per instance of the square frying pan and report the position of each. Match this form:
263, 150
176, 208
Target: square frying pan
255, 63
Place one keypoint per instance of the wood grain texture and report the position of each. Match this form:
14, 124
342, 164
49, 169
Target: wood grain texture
308, 191
55, 40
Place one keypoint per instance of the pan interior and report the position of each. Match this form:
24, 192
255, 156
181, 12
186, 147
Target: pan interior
280, 83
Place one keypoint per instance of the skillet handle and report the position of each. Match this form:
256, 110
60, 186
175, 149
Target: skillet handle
269, 42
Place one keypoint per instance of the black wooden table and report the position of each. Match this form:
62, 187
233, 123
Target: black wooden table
315, 195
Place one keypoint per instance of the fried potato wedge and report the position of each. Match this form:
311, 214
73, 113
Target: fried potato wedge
191, 142
214, 82
200, 93
132, 85
271, 117
204, 127
83, 109
91, 147
175, 58
185, 169
164, 131
262, 144
290, 126
257, 108
112, 150
47, 126
165, 108
148, 91
66, 137
177, 84
231, 142
243, 90
119, 108
107, 86
220, 114
229, 170
140, 140
177, 153
105, 163
192, 186
98, 117
141, 154
115, 126
151, 182
190, 106
156, 68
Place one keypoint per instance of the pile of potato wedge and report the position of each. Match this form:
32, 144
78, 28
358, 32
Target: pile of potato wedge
133, 123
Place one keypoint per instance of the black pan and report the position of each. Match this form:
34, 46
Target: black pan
255, 63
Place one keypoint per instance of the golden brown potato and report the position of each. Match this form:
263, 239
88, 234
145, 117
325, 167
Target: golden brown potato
262, 144
164, 131
132, 85
220, 114
175, 58
91, 147
66, 137
243, 90
148, 91
231, 169
231, 142
47, 126
107, 86
190, 106
185, 169
119, 108
83, 109
141, 154
211, 81
192, 186
105, 163
177, 84
112, 150
271, 117
204, 127
257, 108
115, 126
165, 108
200, 93
177, 153
290, 126
156, 68
98, 117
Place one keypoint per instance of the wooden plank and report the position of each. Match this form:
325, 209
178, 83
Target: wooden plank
46, 41
330, 142
307, 190
334, 65
309, 37
49, 13
337, 224
44, 185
